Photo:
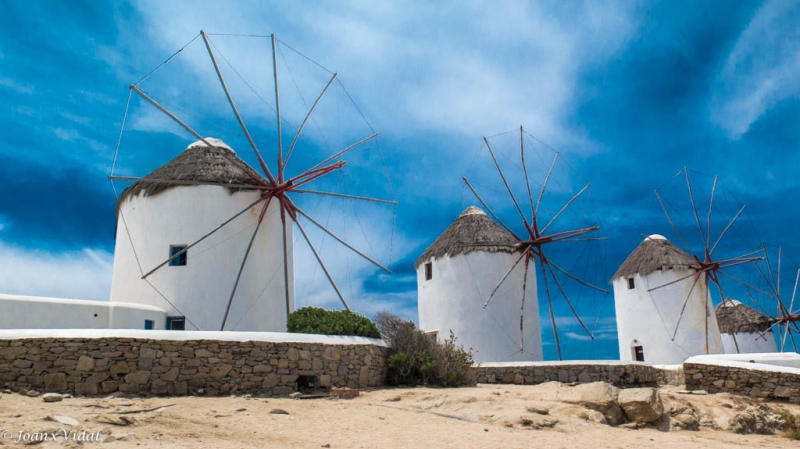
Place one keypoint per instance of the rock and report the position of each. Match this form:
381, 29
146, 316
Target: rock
87, 389
221, 370
641, 405
394, 399
537, 422
119, 368
55, 382
203, 353
138, 377
519, 379
32, 393
296, 394
584, 377
685, 421
52, 397
783, 392
85, 363
538, 410
63, 419
598, 396
278, 411
331, 353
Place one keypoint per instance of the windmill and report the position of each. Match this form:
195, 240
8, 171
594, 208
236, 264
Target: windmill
539, 234
786, 316
663, 293
271, 193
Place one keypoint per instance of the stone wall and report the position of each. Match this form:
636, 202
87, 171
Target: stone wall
747, 381
105, 364
616, 373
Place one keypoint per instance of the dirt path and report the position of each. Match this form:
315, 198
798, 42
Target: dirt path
484, 417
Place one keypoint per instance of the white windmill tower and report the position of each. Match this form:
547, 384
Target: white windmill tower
479, 262
645, 322
744, 330
206, 236
663, 295
468, 260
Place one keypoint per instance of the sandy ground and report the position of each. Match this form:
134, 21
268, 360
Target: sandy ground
487, 416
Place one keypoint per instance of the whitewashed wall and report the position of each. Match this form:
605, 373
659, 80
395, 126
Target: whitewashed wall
201, 289
32, 312
651, 317
453, 300
749, 343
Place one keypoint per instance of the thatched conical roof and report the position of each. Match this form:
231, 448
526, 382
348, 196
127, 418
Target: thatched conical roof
654, 253
197, 163
472, 231
734, 317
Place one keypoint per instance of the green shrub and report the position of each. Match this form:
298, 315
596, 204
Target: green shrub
417, 358
316, 320
791, 426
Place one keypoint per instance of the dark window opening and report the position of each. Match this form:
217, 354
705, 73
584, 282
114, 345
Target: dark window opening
306, 384
180, 260
428, 271
638, 353
631, 285
148, 324
432, 336
95, 315
176, 323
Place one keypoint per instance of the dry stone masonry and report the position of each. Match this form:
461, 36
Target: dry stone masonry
95, 366
752, 382
619, 374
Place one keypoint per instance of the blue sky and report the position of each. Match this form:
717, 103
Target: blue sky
629, 92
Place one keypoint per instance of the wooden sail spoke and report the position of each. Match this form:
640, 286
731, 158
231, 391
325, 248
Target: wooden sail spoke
321, 263
235, 110
672, 223
209, 234
569, 303
508, 188
694, 208
241, 267
305, 120
340, 240
508, 273
683, 308
488, 209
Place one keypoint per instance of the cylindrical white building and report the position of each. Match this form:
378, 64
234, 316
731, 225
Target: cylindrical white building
156, 220
744, 330
456, 275
650, 290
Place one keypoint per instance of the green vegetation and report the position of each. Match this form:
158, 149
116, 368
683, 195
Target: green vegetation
791, 426
316, 320
418, 359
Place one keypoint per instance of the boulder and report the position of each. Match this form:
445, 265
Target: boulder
641, 405
598, 396
52, 397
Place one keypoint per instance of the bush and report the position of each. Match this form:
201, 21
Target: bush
417, 358
316, 320
791, 426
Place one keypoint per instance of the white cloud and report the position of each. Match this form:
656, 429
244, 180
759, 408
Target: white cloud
468, 69
761, 70
84, 274
16, 86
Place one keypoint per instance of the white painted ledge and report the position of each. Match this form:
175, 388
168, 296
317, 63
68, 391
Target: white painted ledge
271, 337
773, 362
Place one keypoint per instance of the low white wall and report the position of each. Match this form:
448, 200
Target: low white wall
33, 312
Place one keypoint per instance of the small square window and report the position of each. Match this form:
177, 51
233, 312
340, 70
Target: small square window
180, 259
428, 271
176, 323
631, 285
148, 324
